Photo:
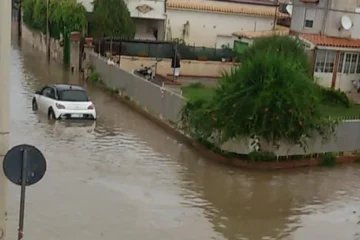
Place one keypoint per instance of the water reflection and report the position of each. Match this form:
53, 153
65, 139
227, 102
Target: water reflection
124, 175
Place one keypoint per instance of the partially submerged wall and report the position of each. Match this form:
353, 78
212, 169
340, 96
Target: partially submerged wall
168, 105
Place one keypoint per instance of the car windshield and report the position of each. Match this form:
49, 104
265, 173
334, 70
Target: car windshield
73, 96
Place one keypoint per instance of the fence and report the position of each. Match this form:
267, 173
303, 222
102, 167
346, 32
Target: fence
155, 98
157, 49
169, 104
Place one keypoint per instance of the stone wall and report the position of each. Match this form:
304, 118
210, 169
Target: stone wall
188, 67
38, 41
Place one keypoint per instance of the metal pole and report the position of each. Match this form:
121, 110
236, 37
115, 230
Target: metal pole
22, 195
47, 31
5, 30
275, 16
19, 19
175, 56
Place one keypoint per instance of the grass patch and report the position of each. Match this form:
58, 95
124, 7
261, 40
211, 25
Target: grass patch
198, 91
352, 112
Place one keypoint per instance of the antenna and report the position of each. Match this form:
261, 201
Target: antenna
289, 9
346, 22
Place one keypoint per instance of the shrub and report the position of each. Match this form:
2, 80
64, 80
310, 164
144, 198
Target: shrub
335, 97
259, 156
271, 96
94, 77
328, 160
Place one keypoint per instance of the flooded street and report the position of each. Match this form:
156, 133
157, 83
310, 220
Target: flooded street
125, 178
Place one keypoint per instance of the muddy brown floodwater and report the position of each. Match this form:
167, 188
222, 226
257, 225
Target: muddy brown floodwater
125, 178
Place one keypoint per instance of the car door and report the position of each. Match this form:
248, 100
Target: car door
43, 100
48, 99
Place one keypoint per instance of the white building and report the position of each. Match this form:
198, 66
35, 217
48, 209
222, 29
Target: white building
148, 15
214, 23
334, 43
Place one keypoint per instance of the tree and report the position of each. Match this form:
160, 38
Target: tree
66, 14
270, 96
28, 7
39, 15
111, 18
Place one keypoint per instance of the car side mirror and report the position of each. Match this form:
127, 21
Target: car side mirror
38, 92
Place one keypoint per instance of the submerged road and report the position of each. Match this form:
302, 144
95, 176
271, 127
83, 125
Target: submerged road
125, 178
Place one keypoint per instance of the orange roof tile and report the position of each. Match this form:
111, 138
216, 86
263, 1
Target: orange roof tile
256, 34
321, 40
248, 10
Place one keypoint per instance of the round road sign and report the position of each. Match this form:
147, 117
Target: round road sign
35, 162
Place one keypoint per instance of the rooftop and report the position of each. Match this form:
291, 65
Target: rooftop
325, 41
246, 9
280, 30
62, 87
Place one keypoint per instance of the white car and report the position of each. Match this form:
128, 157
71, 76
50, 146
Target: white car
64, 101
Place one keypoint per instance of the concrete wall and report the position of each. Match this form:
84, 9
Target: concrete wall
298, 16
328, 22
188, 67
155, 98
38, 40
168, 105
207, 28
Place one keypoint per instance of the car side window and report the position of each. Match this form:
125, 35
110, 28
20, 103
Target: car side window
52, 93
46, 92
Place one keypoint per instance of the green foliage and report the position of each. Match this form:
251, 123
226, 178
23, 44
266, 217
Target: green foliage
257, 156
28, 7
328, 160
94, 77
62, 14
111, 18
196, 91
271, 96
290, 48
39, 16
67, 14
334, 97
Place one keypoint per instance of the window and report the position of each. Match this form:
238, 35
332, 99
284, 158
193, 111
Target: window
349, 63
52, 93
309, 18
46, 92
325, 61
73, 96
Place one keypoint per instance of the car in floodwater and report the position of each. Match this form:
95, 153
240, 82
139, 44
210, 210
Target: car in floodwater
64, 101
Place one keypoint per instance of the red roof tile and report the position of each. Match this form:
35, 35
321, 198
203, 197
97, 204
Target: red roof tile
321, 40
240, 9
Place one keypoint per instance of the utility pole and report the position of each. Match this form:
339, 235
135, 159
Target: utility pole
5, 38
47, 31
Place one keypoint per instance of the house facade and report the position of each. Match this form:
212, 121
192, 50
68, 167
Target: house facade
330, 30
148, 15
213, 23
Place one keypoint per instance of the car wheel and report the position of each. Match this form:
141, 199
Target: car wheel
51, 114
34, 105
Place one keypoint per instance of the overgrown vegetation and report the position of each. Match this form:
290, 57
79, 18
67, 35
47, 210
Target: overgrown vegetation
111, 18
64, 15
271, 96
328, 160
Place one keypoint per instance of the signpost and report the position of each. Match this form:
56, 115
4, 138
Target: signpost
24, 165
